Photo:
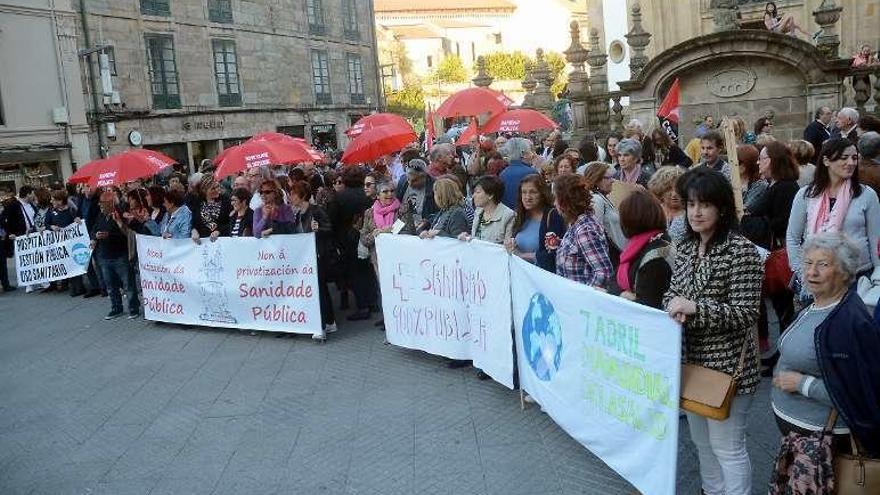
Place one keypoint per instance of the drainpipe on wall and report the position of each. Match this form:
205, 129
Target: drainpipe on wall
380, 90
62, 84
93, 84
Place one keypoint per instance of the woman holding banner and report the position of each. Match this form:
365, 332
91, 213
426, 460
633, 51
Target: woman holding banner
312, 218
380, 219
241, 219
177, 221
533, 214
273, 216
451, 220
493, 220
582, 255
715, 293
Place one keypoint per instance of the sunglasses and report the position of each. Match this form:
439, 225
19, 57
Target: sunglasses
267, 191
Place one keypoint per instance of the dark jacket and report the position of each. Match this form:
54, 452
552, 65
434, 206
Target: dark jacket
816, 133
651, 271
12, 220
115, 245
775, 206
302, 224
847, 346
199, 224
59, 218
429, 207
351, 203
247, 224
451, 222
552, 221
852, 135
676, 156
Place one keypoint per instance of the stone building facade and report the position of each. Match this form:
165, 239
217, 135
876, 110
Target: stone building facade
859, 21
190, 77
43, 129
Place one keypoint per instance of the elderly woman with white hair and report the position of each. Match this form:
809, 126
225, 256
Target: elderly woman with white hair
629, 168
520, 153
828, 362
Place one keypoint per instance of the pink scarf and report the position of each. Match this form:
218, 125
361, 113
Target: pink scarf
384, 215
821, 217
630, 253
631, 177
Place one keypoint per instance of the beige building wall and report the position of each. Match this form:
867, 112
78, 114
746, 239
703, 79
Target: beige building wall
43, 130
273, 47
672, 21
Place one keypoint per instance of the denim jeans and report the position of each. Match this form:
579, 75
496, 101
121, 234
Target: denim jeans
721, 446
116, 276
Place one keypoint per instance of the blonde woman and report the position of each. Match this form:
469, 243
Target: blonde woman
450, 220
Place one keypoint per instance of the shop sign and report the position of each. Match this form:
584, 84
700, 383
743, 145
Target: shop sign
203, 125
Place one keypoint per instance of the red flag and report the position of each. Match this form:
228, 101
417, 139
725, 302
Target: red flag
429, 128
467, 134
668, 113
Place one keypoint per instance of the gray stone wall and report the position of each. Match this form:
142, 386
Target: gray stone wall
273, 46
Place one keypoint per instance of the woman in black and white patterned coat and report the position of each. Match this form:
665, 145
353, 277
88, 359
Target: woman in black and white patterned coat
715, 293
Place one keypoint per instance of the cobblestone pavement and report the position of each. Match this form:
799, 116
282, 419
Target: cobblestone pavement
131, 407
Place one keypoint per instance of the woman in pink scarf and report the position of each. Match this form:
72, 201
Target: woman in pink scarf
646, 262
380, 219
836, 202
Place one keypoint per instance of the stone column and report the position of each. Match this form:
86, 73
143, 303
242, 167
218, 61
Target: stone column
529, 85
578, 81
724, 15
482, 79
542, 99
597, 110
827, 16
637, 39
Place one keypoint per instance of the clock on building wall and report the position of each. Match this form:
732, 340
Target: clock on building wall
135, 138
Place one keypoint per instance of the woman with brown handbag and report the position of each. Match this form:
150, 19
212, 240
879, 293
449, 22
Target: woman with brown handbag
828, 369
715, 293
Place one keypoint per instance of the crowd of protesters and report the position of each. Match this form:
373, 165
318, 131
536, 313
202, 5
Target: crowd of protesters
676, 242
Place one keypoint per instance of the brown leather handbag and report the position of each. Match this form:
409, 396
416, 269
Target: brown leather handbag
855, 474
708, 392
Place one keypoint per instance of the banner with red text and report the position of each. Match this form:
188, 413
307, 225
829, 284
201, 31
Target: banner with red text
448, 297
242, 282
604, 368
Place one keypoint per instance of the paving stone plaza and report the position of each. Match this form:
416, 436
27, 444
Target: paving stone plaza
131, 407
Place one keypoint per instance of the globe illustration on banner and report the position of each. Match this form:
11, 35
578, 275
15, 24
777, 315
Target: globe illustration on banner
81, 254
542, 338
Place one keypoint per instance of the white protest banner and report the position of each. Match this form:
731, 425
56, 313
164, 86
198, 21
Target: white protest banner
605, 369
448, 297
52, 254
242, 282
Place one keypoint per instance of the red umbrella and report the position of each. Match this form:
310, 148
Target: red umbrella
258, 154
376, 142
472, 102
375, 120
277, 137
121, 168
520, 120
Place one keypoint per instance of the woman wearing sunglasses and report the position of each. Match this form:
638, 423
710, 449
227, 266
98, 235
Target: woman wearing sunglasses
273, 216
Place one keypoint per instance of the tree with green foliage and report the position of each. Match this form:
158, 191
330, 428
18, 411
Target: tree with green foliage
506, 66
452, 70
408, 102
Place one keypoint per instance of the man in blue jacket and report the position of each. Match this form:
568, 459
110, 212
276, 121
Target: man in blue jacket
518, 151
